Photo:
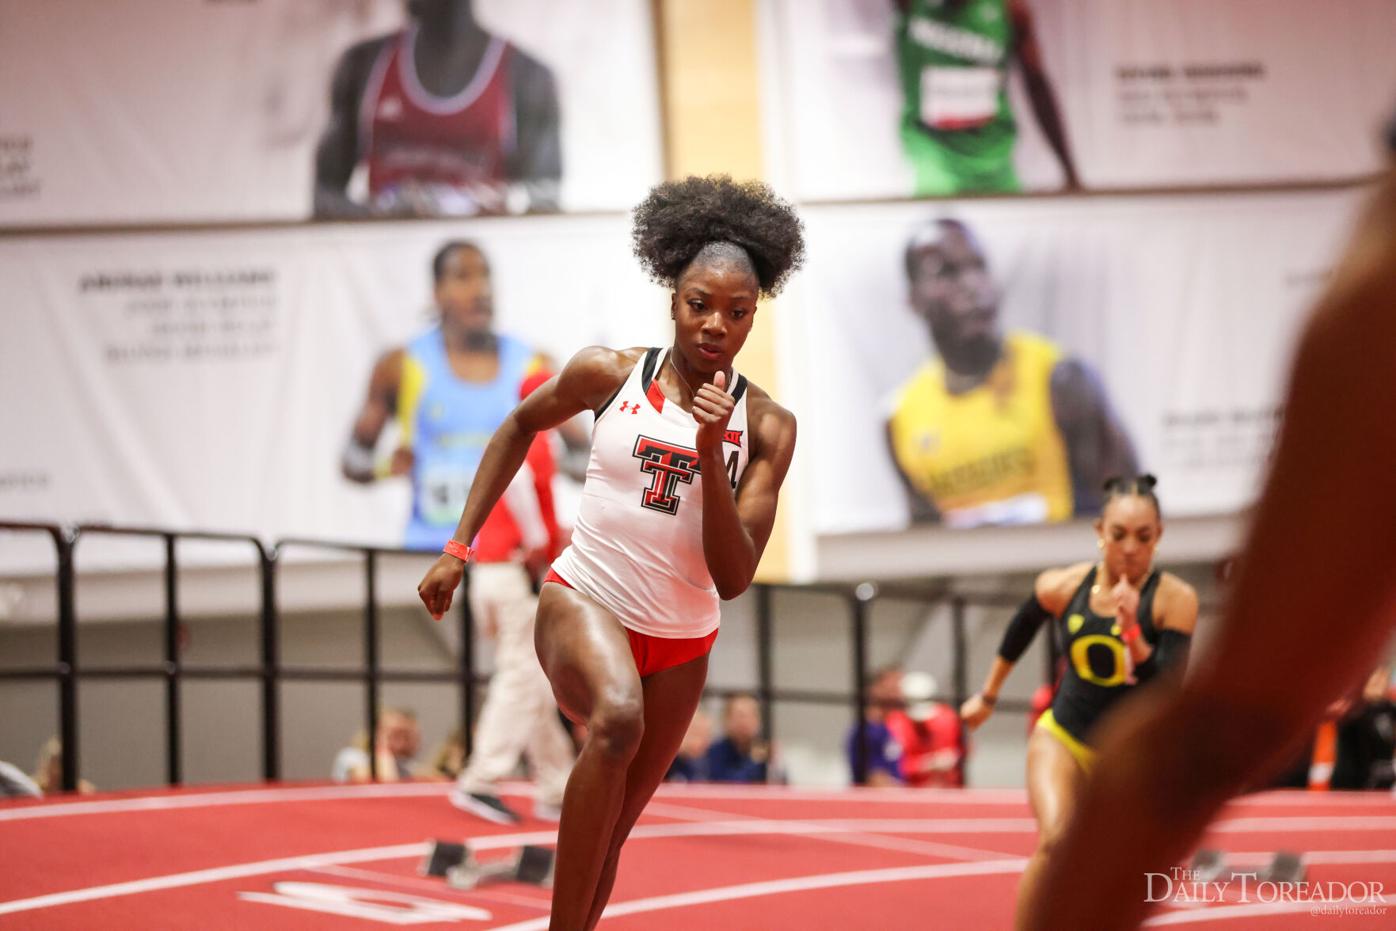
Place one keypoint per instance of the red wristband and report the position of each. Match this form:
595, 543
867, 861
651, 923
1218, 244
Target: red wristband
458, 549
1130, 634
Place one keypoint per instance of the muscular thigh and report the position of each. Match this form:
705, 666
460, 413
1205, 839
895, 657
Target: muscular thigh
1054, 780
584, 651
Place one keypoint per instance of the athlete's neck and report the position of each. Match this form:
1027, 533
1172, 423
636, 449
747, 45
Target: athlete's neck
446, 24
688, 378
964, 374
449, 47
483, 342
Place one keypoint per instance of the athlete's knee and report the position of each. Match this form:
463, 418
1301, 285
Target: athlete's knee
617, 726
1051, 832
1050, 840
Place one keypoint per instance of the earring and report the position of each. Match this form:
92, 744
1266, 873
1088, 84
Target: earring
1099, 544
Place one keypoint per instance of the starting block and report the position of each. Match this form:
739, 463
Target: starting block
1211, 866
460, 868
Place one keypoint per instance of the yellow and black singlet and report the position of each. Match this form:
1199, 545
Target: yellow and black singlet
994, 454
1097, 663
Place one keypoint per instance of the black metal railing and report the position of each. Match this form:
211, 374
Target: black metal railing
270, 672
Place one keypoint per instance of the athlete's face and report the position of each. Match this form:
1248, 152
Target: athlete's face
1129, 531
464, 293
713, 307
952, 291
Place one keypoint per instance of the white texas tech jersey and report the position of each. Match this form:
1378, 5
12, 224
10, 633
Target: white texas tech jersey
638, 544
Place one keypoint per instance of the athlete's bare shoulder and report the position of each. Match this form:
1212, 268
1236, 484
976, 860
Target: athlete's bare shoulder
596, 373
1175, 604
387, 371
357, 61
772, 426
1054, 587
760, 404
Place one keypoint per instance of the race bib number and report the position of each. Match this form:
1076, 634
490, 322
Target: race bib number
441, 493
958, 98
1028, 508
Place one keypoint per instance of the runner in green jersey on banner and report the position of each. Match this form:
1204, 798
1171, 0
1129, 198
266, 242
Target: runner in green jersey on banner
957, 125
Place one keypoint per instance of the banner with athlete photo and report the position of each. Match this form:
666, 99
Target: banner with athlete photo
896, 98
212, 380
991, 362
175, 111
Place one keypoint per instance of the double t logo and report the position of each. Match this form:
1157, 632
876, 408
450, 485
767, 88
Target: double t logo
669, 465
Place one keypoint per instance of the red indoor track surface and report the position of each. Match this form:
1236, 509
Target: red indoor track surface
702, 857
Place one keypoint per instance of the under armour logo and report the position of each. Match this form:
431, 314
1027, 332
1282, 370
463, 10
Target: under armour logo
627, 406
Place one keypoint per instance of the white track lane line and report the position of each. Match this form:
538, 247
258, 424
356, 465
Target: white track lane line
878, 841
217, 799
797, 884
434, 886
426, 789
1320, 823
859, 794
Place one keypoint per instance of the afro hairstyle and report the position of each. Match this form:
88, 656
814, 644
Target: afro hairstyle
679, 218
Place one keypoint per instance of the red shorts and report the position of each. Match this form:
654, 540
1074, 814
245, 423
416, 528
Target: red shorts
656, 654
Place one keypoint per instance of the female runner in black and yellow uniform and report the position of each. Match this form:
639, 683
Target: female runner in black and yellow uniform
1123, 622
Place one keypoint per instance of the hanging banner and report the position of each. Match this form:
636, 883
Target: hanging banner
255, 110
898, 98
980, 363
212, 381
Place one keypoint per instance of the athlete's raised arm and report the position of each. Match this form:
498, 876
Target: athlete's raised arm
737, 526
1097, 444
337, 151
1039, 88
380, 403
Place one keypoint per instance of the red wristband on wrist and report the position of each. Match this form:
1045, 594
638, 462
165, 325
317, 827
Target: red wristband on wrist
458, 549
1130, 634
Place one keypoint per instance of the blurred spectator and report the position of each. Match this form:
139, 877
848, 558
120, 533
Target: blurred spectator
15, 784
48, 772
741, 755
930, 734
449, 758
691, 764
882, 752
1367, 736
1352, 746
399, 738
